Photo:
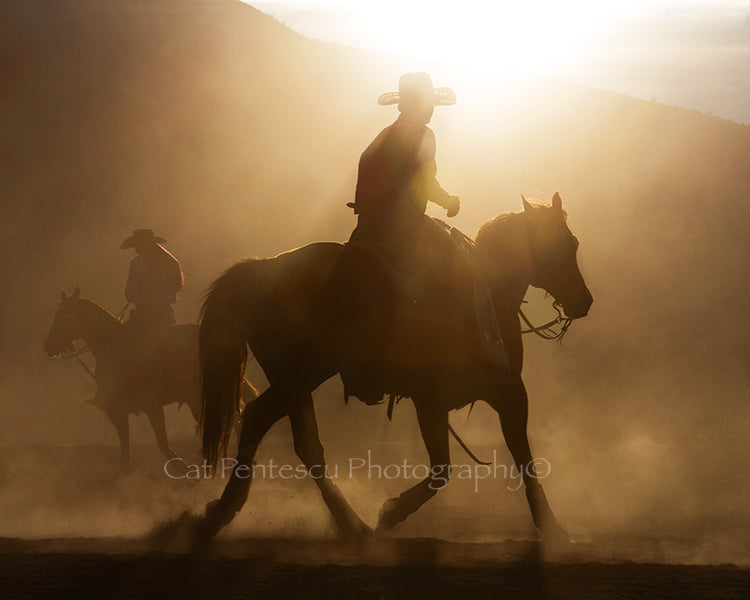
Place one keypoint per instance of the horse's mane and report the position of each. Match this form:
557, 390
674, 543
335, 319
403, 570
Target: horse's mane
501, 226
97, 316
93, 308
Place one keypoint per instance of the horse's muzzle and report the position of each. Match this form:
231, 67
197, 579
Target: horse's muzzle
578, 304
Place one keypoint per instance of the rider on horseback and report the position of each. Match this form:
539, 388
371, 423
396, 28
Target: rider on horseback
396, 180
154, 280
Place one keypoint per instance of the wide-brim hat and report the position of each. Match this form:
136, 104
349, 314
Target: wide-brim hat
417, 88
142, 237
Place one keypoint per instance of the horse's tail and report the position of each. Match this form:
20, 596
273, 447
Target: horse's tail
223, 355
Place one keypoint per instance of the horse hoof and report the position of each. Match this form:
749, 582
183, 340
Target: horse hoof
177, 467
216, 517
127, 468
177, 535
387, 519
356, 531
555, 537
203, 533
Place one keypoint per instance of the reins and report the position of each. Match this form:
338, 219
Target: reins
394, 399
480, 262
75, 353
547, 331
122, 312
466, 449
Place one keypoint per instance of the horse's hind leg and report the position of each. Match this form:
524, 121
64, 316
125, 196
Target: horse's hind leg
120, 421
310, 451
258, 417
512, 408
248, 394
433, 423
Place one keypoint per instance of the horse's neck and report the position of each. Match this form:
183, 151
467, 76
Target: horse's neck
506, 244
99, 325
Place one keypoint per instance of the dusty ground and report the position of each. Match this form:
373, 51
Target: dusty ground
72, 527
403, 568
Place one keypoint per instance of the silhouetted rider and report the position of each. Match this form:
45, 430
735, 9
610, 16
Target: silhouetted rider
154, 280
397, 171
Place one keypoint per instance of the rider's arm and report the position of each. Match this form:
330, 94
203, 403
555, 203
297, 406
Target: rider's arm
433, 191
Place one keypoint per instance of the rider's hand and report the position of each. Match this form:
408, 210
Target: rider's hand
452, 206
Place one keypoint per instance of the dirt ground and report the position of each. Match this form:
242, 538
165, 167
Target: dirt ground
72, 527
402, 568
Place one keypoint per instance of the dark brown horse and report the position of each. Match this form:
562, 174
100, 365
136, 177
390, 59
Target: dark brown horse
168, 372
272, 306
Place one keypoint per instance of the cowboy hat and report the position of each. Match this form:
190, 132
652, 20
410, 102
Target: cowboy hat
417, 87
142, 237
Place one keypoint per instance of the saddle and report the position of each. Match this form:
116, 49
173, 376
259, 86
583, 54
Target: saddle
420, 294
143, 358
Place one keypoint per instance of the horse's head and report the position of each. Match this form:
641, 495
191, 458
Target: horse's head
67, 326
553, 249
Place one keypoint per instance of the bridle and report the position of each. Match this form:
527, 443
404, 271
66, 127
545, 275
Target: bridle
481, 263
77, 355
548, 331
70, 351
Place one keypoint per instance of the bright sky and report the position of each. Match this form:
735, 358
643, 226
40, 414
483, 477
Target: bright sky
582, 40
692, 53
535, 35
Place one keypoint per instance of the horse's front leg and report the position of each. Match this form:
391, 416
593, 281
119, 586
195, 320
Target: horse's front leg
120, 421
512, 407
310, 451
433, 423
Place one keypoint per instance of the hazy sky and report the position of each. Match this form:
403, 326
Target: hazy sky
694, 54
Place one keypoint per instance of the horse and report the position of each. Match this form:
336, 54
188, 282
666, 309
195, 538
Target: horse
169, 373
271, 307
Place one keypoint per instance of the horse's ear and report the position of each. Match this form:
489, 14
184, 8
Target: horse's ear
557, 201
76, 292
526, 206
63, 295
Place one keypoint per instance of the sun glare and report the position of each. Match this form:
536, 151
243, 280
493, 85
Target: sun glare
477, 37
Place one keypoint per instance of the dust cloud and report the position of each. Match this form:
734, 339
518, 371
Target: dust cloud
232, 136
